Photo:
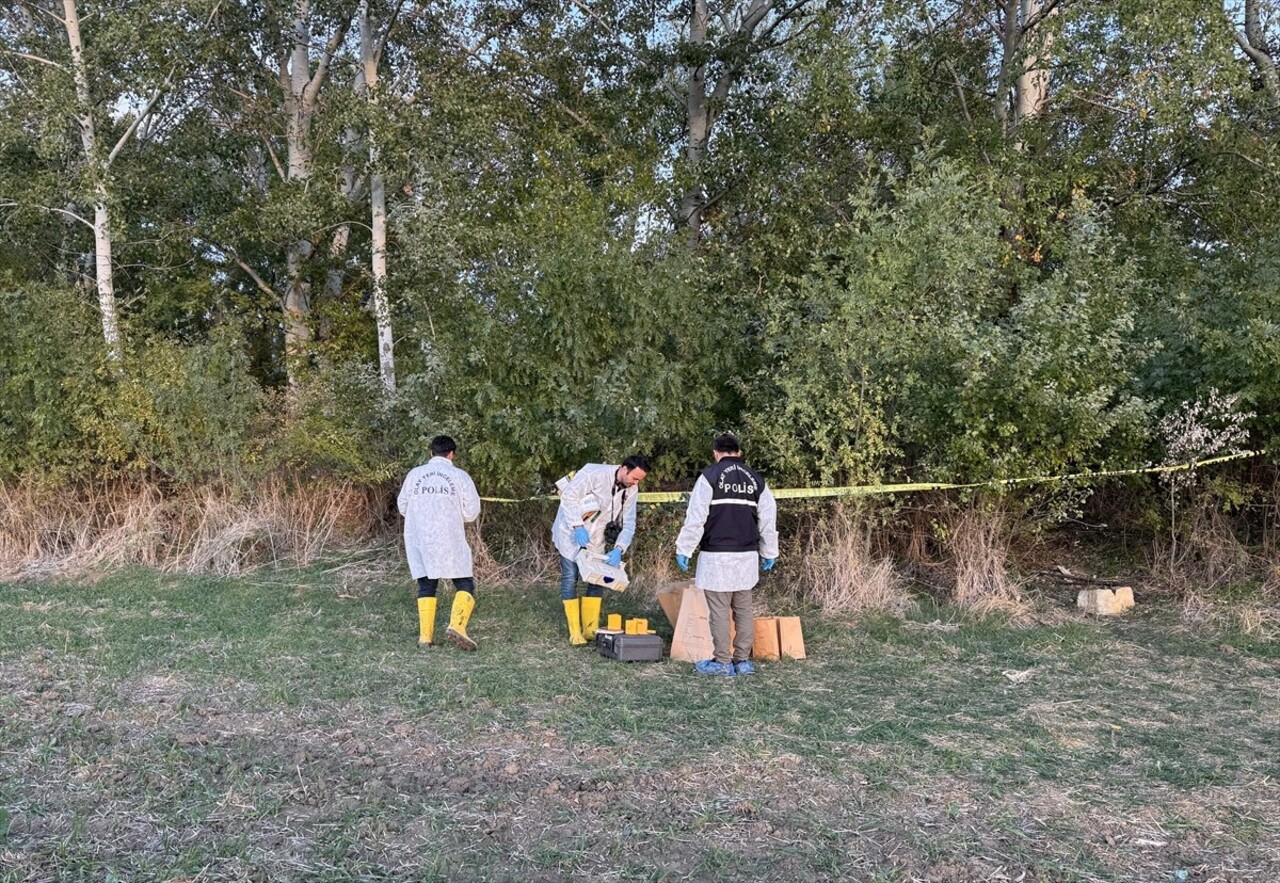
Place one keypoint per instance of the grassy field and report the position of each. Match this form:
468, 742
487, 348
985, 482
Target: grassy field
286, 726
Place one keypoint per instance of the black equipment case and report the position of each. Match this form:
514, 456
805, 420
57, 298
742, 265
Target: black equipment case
629, 648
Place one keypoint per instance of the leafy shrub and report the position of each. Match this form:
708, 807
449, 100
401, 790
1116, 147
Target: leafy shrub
576, 333
52, 371
187, 412
341, 422
927, 342
1222, 331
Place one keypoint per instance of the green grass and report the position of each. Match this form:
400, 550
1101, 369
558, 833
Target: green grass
286, 726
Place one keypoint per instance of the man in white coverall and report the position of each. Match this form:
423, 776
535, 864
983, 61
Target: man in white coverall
611, 490
732, 520
436, 500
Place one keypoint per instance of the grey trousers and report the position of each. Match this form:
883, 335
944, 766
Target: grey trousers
719, 606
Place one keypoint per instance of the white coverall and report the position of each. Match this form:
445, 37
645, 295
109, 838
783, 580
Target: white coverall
437, 498
595, 480
727, 571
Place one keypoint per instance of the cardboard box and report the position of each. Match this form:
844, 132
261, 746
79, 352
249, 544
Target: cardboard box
670, 598
778, 636
686, 608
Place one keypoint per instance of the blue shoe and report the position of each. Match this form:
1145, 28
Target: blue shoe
711, 667
744, 668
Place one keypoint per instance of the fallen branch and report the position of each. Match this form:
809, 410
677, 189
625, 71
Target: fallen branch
1063, 575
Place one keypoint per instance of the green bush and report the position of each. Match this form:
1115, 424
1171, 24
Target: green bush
1224, 327
574, 342
185, 412
929, 343
340, 422
188, 412
52, 371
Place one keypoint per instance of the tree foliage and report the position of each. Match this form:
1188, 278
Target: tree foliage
927, 240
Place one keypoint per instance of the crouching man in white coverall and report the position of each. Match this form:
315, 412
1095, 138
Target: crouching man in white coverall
732, 521
436, 500
610, 492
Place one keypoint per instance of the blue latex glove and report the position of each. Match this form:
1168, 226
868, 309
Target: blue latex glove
682, 561
767, 564
614, 558
581, 538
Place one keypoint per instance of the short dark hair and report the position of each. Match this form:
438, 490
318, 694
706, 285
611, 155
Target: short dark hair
727, 443
636, 461
442, 445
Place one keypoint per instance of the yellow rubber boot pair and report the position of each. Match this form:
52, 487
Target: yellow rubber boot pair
573, 616
590, 617
463, 604
426, 620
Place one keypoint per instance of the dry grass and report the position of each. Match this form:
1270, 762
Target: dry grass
652, 574
1215, 548
842, 574
1271, 582
1271, 539
1256, 619
95, 528
529, 564
979, 544
211, 530
1206, 557
651, 561
834, 556
511, 543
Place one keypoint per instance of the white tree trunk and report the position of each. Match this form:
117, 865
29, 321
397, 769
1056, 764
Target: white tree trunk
749, 27
1033, 83
297, 308
98, 170
106, 281
699, 124
381, 308
378, 213
1011, 30
1022, 84
351, 191
299, 102
301, 87
1253, 40
338, 243
299, 106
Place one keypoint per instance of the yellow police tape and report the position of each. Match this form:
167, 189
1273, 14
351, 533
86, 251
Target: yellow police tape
794, 493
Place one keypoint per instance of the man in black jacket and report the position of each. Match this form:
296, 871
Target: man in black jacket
732, 521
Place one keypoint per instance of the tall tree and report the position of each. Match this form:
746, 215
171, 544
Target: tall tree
724, 40
1022, 78
1251, 35
113, 85
277, 68
302, 74
372, 46
360, 177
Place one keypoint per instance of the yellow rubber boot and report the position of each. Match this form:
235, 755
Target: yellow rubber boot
573, 616
426, 620
463, 604
590, 617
